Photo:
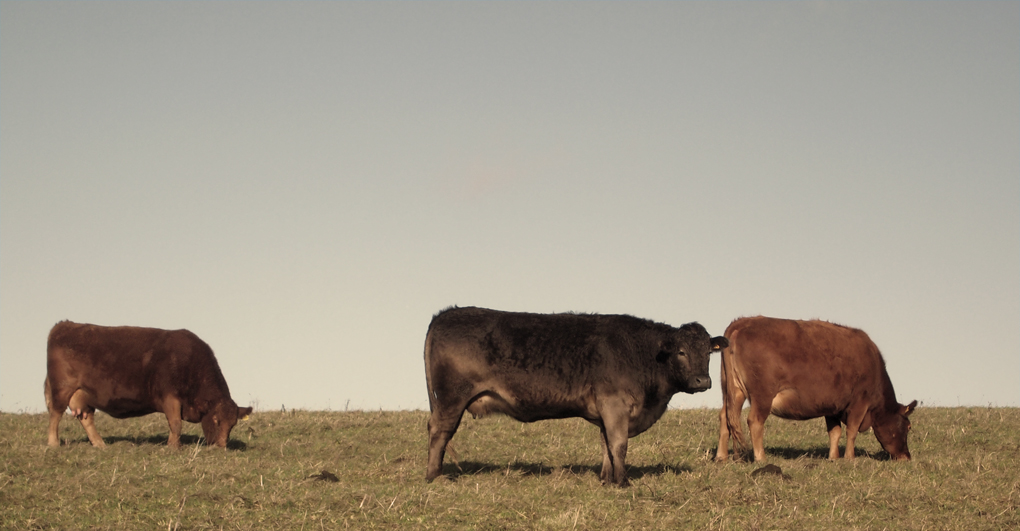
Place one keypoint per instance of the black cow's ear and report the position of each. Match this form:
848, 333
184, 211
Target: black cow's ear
719, 343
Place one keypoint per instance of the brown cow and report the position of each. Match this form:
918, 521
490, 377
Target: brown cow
128, 371
801, 370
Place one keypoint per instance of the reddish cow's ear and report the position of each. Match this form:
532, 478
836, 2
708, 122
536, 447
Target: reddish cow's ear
908, 409
243, 412
719, 343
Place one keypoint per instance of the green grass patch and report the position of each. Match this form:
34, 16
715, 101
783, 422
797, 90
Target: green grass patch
365, 470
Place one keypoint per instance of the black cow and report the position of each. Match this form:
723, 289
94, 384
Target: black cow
615, 371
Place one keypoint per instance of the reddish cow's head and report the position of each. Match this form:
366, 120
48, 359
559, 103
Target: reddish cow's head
217, 423
891, 430
692, 347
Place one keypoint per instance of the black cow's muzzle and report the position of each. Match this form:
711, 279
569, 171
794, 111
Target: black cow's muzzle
699, 383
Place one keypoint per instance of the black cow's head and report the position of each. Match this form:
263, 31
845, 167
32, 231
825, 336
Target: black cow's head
217, 423
688, 352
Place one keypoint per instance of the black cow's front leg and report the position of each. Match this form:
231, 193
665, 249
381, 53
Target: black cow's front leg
615, 432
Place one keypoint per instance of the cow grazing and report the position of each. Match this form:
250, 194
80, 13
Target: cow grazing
801, 370
128, 372
615, 371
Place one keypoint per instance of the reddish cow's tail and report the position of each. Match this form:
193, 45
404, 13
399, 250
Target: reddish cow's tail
732, 390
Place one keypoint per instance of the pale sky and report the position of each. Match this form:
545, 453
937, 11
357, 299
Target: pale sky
304, 185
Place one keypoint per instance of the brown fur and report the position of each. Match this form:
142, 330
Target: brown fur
130, 371
800, 370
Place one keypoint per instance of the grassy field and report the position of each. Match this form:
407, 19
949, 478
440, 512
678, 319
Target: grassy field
364, 470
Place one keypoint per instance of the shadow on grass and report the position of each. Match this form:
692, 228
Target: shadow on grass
816, 452
470, 468
161, 440
822, 452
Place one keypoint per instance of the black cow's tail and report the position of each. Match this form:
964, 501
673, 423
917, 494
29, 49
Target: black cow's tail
428, 369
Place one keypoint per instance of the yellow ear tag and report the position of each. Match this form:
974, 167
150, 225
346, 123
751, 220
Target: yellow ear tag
245, 417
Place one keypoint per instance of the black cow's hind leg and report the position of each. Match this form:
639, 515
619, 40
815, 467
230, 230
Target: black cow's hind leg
442, 426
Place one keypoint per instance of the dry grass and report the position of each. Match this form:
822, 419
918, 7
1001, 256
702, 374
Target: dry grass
506, 475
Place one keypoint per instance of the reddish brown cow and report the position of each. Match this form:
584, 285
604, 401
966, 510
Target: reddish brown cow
128, 371
801, 370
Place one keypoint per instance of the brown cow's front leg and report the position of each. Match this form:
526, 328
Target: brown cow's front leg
854, 419
172, 410
832, 425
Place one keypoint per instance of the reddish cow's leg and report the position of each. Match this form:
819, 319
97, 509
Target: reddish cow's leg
172, 410
832, 424
53, 434
86, 414
722, 451
56, 406
756, 415
733, 401
853, 425
88, 421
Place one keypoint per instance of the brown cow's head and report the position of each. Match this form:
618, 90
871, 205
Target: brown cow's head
692, 347
217, 423
892, 428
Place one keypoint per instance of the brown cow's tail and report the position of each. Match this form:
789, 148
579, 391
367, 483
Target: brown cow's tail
46, 391
730, 385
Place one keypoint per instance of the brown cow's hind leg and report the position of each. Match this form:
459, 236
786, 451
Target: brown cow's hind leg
56, 407
756, 415
53, 438
832, 424
86, 414
731, 407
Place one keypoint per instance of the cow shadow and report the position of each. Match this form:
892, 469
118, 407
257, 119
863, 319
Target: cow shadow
814, 452
470, 468
822, 452
161, 440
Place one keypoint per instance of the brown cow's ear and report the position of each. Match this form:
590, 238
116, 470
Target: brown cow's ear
719, 343
908, 409
243, 413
